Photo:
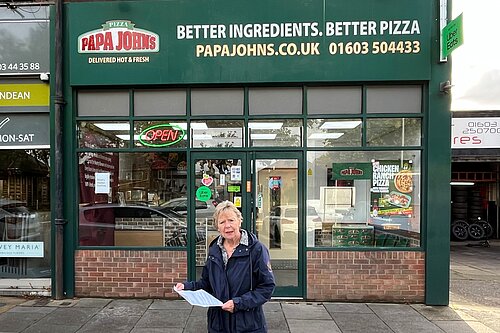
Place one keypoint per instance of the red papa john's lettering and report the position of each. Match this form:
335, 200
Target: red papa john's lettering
126, 41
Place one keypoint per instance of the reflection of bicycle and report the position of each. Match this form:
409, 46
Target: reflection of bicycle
475, 228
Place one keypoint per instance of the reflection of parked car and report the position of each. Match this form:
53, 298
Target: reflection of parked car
283, 223
113, 224
179, 205
17, 222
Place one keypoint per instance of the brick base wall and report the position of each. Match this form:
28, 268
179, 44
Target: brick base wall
128, 274
366, 276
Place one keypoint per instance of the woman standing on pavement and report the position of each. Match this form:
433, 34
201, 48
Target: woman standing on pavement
237, 272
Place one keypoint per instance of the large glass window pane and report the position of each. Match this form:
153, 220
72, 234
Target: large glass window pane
365, 199
217, 134
275, 133
159, 102
394, 132
334, 132
132, 199
103, 103
394, 99
25, 214
334, 100
216, 102
270, 101
103, 134
160, 134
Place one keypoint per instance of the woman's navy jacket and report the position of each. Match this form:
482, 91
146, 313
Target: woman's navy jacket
248, 280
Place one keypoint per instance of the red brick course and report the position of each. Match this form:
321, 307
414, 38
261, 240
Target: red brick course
378, 276
128, 273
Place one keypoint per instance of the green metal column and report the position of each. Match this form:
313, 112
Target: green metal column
437, 179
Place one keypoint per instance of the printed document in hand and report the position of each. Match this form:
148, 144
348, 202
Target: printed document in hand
198, 297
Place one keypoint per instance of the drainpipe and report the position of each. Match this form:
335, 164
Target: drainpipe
59, 102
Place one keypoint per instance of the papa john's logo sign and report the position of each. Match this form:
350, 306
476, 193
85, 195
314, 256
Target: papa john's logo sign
118, 36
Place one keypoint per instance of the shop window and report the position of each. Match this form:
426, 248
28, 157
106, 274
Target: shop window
25, 217
333, 100
160, 134
364, 199
334, 132
220, 101
159, 102
217, 134
393, 132
103, 134
103, 103
275, 133
394, 99
272, 101
131, 199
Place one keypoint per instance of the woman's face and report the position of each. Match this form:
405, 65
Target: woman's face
229, 225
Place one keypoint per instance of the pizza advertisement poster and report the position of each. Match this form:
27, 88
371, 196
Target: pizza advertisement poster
391, 188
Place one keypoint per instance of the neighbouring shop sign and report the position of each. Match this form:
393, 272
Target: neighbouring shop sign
351, 171
475, 132
25, 44
151, 42
24, 97
24, 131
21, 249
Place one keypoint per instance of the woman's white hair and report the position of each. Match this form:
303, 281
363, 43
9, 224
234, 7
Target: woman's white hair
223, 206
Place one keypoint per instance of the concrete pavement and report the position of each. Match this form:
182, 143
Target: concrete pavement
474, 307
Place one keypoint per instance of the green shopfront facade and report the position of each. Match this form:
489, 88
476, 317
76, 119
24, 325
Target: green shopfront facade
322, 121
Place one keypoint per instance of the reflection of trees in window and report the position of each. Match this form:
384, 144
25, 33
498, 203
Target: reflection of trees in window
393, 132
24, 176
17, 47
91, 136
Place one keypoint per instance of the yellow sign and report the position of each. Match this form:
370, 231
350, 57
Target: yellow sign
237, 202
24, 94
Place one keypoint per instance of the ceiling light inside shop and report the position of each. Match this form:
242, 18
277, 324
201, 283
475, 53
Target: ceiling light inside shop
113, 126
265, 125
202, 137
195, 126
461, 183
127, 137
263, 136
350, 124
325, 135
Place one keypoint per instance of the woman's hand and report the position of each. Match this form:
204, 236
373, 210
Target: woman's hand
228, 306
179, 286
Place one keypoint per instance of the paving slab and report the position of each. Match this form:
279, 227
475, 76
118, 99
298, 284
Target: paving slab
307, 311
454, 326
73, 316
18, 321
93, 302
40, 327
196, 324
163, 318
360, 323
347, 307
436, 312
162, 304
310, 326
128, 307
110, 322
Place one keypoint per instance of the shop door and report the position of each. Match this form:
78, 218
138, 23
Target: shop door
265, 188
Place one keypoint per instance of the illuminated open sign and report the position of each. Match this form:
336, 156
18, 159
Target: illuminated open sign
161, 135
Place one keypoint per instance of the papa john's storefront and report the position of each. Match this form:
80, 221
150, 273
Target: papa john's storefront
321, 120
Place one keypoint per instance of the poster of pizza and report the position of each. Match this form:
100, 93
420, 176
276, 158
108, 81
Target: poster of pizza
391, 188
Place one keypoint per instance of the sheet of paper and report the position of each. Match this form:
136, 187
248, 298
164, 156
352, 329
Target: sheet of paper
198, 297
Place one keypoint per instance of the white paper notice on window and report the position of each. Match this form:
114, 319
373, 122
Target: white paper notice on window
102, 182
198, 298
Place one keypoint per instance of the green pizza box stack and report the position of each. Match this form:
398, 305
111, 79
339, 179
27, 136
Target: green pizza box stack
352, 235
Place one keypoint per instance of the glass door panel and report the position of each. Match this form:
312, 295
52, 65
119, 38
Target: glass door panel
215, 180
277, 218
